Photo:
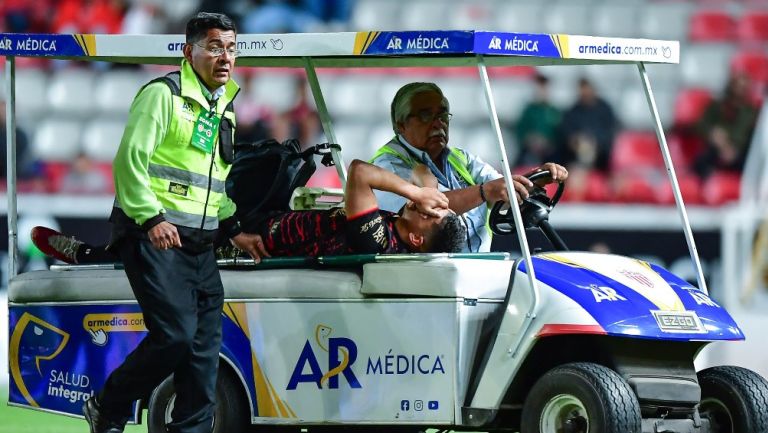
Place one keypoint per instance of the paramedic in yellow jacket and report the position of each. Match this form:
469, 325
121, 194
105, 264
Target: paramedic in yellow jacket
169, 173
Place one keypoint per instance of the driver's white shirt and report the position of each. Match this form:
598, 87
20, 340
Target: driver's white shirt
478, 235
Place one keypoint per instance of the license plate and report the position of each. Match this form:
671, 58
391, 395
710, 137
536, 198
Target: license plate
679, 322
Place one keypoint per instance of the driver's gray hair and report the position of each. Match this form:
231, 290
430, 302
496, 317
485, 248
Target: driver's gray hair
401, 103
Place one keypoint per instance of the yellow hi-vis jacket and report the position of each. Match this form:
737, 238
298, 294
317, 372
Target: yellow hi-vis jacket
159, 174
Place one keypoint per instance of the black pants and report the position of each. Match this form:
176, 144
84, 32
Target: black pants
181, 297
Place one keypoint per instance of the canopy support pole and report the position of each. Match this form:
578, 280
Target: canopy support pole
519, 227
10, 139
672, 177
325, 119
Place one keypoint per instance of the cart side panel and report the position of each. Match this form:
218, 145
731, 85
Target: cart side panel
60, 355
363, 362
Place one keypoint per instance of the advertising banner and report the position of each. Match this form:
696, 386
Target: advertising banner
59, 356
358, 361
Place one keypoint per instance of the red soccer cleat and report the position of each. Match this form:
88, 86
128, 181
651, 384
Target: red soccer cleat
55, 244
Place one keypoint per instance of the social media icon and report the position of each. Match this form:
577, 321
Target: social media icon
418, 405
405, 405
433, 405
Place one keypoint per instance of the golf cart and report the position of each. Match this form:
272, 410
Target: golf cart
548, 342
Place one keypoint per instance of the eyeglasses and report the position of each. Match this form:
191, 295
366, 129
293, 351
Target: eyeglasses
218, 51
427, 116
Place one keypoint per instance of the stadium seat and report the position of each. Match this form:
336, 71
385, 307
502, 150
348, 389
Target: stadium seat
571, 17
54, 172
275, 89
635, 113
721, 187
424, 15
520, 17
659, 74
752, 63
633, 188
353, 138
753, 27
57, 140
690, 105
473, 15
706, 66
375, 15
665, 20
324, 177
586, 186
32, 83
510, 96
615, 20
70, 92
466, 98
636, 151
356, 96
101, 138
481, 140
115, 91
711, 26
690, 188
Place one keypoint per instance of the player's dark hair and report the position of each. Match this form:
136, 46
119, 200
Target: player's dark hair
450, 236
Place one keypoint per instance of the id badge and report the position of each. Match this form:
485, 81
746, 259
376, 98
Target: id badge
205, 131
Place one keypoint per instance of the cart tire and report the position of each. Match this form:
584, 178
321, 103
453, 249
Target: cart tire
734, 399
581, 398
231, 416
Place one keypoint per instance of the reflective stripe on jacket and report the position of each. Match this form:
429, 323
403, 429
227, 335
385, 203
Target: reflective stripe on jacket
158, 170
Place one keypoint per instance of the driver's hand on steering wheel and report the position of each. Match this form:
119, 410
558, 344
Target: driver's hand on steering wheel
558, 173
496, 190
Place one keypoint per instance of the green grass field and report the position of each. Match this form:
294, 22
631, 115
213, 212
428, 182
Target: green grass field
18, 420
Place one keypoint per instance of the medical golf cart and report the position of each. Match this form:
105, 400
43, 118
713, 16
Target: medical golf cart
551, 342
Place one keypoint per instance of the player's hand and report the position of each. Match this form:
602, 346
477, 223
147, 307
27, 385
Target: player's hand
251, 244
430, 201
164, 236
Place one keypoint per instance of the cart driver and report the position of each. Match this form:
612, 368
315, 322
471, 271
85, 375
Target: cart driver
425, 223
420, 119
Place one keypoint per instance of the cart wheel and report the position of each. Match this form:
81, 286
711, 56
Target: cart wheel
581, 398
734, 399
231, 414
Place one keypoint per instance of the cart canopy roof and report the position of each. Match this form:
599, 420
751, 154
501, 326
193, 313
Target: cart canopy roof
357, 49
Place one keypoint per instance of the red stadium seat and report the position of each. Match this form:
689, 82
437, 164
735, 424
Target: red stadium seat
636, 150
753, 27
585, 186
712, 26
721, 187
752, 63
690, 187
324, 177
633, 188
690, 105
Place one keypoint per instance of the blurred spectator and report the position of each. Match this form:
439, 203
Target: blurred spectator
85, 178
25, 165
253, 118
726, 128
144, 18
89, 16
301, 121
24, 16
279, 16
334, 13
588, 130
537, 128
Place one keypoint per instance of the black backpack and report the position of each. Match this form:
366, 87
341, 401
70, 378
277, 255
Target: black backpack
265, 173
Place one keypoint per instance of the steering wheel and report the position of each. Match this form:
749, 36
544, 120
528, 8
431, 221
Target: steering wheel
534, 209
